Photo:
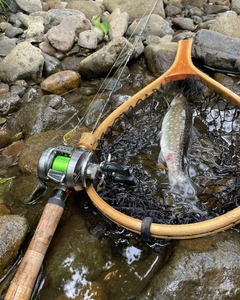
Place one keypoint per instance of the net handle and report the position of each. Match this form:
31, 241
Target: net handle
181, 69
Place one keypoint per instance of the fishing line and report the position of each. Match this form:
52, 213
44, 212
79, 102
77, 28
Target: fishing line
129, 54
103, 87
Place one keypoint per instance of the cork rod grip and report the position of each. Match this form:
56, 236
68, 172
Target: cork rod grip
23, 283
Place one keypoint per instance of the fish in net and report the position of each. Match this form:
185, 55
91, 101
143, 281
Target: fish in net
212, 159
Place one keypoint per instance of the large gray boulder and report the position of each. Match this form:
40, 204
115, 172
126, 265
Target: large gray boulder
24, 62
30, 6
228, 24
13, 229
205, 268
135, 8
217, 50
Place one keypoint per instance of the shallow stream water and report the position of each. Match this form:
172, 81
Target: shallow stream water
92, 258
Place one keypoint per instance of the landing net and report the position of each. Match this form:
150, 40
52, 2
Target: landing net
212, 160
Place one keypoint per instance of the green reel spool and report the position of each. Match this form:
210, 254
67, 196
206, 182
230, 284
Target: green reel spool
60, 163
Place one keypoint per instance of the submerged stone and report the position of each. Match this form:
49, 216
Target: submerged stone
101, 61
34, 146
61, 82
13, 229
47, 113
200, 269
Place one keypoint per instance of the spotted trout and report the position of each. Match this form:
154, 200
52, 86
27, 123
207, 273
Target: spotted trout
174, 140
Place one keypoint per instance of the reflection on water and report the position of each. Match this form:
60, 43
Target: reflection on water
73, 286
132, 254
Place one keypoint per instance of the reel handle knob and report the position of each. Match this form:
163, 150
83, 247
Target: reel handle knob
109, 167
128, 180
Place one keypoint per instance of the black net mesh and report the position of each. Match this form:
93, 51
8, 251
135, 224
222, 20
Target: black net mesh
212, 160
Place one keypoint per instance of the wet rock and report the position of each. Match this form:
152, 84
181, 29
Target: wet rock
50, 112
4, 192
217, 50
63, 35
183, 35
228, 24
139, 47
236, 6
184, 23
11, 154
30, 6
32, 93
71, 63
200, 269
135, 9
4, 210
14, 149
17, 65
54, 16
160, 57
196, 20
223, 79
88, 263
9, 103
152, 40
5, 137
172, 10
4, 88
101, 61
215, 9
99, 34
195, 11
53, 4
34, 146
2, 121
6, 46
4, 26
88, 8
51, 65
118, 23
12, 31
18, 88
47, 48
35, 25
155, 26
13, 229
90, 288
31, 189
192, 3
88, 39
61, 82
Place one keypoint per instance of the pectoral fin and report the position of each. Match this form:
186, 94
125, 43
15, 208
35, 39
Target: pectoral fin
161, 159
162, 166
161, 162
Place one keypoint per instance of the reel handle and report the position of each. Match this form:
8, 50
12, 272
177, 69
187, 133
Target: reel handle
22, 285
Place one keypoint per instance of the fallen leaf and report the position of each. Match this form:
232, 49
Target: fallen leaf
110, 275
3, 180
14, 149
4, 210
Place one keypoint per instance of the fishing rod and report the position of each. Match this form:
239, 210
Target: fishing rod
70, 169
